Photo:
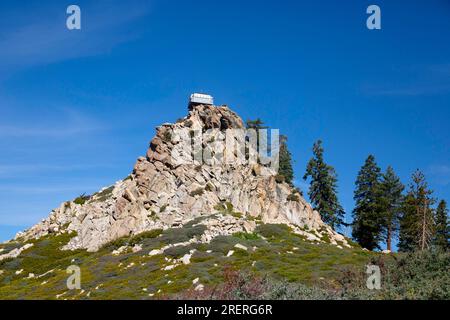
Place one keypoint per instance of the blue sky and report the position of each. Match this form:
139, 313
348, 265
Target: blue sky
78, 107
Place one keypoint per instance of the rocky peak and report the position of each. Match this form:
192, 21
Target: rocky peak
162, 192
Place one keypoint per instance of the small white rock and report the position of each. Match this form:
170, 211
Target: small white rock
240, 246
169, 267
154, 252
186, 258
199, 287
230, 253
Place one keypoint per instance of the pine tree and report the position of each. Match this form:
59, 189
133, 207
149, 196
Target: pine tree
417, 221
323, 188
285, 161
408, 220
367, 218
255, 124
390, 202
442, 236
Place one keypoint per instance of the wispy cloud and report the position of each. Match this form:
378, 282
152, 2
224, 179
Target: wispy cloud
72, 122
50, 189
12, 170
412, 90
45, 39
432, 79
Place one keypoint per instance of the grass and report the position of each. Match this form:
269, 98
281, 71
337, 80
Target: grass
103, 195
82, 199
273, 250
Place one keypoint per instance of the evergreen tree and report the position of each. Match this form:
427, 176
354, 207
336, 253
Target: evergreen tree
367, 218
390, 202
323, 188
285, 161
285, 170
255, 124
408, 220
442, 236
417, 220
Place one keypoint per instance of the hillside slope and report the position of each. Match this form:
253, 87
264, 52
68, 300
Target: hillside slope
172, 226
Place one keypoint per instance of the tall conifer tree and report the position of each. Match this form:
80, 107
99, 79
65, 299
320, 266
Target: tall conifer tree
390, 203
367, 217
417, 220
285, 161
442, 236
323, 188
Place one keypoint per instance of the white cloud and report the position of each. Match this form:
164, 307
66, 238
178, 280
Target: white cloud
70, 123
47, 40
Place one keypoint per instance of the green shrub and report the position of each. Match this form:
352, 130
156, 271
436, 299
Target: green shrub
104, 195
196, 192
279, 178
177, 251
293, 197
81, 199
419, 275
145, 235
209, 187
246, 235
167, 136
273, 230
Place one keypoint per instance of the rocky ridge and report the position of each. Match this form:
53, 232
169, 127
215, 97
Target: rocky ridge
161, 194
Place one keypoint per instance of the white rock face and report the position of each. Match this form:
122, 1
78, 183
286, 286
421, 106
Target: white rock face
162, 193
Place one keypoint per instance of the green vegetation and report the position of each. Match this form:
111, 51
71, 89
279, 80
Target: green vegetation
285, 161
273, 251
442, 236
278, 264
390, 200
227, 208
293, 197
279, 178
367, 223
167, 135
417, 223
323, 188
103, 195
197, 192
81, 199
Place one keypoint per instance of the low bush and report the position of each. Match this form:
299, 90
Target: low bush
273, 230
197, 192
81, 199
